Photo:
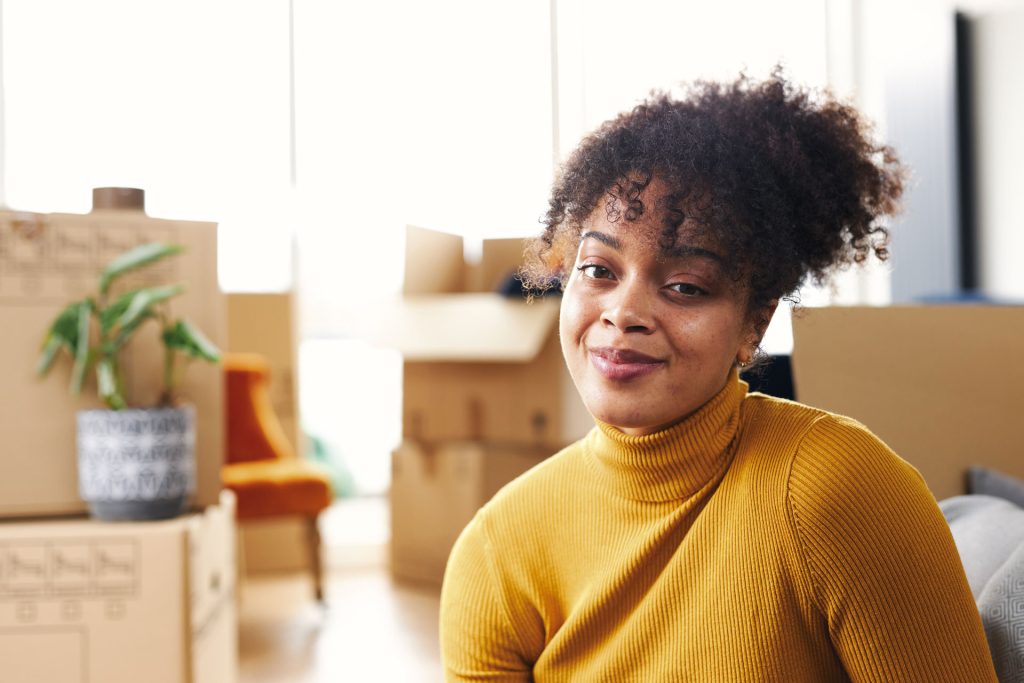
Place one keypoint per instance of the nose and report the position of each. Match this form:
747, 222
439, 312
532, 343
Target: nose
629, 308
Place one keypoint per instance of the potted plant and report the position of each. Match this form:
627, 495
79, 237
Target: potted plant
133, 462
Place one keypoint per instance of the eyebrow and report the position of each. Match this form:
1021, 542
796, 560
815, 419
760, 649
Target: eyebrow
680, 251
602, 238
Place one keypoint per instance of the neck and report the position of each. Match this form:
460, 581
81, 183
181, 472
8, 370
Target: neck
675, 462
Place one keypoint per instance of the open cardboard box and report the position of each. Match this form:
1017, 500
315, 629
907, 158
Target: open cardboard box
85, 601
46, 262
486, 394
478, 365
940, 384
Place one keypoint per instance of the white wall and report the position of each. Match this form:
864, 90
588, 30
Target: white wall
188, 100
998, 37
916, 42
610, 56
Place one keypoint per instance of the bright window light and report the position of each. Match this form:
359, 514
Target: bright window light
169, 97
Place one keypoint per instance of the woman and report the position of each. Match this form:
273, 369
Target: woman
698, 532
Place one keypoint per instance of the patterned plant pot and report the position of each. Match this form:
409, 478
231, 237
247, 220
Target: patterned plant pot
136, 464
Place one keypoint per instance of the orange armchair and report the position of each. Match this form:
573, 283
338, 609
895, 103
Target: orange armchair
261, 467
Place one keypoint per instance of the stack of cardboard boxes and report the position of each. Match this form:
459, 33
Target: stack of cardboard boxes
485, 393
82, 600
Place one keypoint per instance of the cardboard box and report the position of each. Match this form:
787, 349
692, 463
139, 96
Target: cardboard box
436, 490
940, 384
486, 394
478, 365
84, 601
264, 323
49, 260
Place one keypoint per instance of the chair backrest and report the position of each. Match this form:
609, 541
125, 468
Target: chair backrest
252, 429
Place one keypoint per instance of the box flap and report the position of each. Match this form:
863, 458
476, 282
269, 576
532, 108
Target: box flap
434, 262
467, 328
499, 259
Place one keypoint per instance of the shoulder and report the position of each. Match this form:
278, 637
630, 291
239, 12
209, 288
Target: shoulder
829, 462
850, 496
540, 487
840, 456
820, 445
877, 555
523, 508
777, 418
515, 525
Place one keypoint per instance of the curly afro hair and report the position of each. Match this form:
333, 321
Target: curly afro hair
786, 182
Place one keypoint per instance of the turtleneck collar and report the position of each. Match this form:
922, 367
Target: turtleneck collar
675, 463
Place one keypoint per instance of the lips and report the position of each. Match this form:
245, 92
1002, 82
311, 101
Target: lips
623, 364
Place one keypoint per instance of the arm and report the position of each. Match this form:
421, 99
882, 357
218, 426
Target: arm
881, 559
478, 642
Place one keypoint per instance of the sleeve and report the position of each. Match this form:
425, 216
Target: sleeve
478, 642
881, 559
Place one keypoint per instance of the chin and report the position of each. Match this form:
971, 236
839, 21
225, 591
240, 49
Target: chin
626, 420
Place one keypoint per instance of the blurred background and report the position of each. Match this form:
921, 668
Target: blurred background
313, 132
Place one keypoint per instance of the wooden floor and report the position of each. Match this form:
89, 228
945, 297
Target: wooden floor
372, 629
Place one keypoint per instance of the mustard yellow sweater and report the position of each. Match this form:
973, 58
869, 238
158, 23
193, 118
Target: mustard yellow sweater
759, 540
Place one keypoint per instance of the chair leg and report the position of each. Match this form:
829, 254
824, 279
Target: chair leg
315, 562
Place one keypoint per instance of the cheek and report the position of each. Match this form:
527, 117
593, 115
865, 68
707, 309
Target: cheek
572, 315
573, 322
690, 331
717, 334
732, 336
565, 333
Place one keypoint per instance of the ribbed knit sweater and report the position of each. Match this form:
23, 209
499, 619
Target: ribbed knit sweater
758, 540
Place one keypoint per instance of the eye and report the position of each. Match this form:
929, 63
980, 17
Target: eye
687, 289
594, 271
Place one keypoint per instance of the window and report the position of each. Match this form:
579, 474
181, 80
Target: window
313, 131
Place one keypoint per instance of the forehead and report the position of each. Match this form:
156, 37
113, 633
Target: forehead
654, 231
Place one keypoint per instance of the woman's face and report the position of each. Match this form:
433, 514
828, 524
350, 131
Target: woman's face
649, 339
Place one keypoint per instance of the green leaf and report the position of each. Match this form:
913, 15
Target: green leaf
183, 337
126, 332
135, 258
106, 380
131, 309
63, 332
110, 315
81, 347
52, 346
142, 302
